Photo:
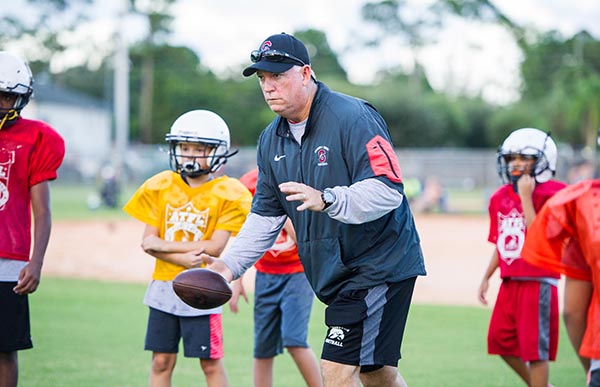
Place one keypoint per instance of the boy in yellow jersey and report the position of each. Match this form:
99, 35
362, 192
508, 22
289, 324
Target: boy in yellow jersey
187, 211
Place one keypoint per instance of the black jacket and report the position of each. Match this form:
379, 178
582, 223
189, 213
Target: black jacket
345, 141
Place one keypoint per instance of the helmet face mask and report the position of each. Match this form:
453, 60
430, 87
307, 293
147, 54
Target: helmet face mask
532, 144
198, 143
15, 79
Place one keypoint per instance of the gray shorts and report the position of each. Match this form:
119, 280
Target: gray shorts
202, 335
366, 326
282, 306
15, 329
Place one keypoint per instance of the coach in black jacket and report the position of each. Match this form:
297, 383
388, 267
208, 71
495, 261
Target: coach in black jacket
328, 164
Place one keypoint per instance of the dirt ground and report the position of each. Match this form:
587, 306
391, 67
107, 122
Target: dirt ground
455, 248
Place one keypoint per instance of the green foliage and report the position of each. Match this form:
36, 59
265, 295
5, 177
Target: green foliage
91, 333
322, 57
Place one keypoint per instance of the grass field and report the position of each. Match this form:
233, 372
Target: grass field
70, 202
91, 333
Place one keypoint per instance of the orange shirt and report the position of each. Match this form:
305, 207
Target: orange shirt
565, 237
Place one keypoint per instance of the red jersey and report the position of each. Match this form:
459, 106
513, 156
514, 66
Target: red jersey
565, 237
508, 228
30, 153
283, 257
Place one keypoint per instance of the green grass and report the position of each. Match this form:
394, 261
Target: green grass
91, 333
69, 201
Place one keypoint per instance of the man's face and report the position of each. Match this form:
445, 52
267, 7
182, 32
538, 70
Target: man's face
283, 92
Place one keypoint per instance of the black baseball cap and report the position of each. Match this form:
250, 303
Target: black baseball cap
277, 54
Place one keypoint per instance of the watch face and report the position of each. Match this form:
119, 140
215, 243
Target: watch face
328, 197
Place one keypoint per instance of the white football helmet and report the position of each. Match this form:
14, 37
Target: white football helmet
528, 142
199, 126
15, 78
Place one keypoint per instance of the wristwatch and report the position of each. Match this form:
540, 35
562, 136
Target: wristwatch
328, 197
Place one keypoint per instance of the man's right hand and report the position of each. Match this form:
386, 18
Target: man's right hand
215, 264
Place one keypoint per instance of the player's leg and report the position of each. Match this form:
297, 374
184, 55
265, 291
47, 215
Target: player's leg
9, 369
161, 371
538, 325
14, 332
502, 333
268, 292
366, 328
540, 373
162, 338
203, 339
263, 372
214, 372
518, 366
296, 305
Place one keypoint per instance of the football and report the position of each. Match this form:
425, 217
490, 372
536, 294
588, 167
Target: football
202, 288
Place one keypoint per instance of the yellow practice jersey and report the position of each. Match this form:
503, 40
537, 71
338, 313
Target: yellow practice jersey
183, 213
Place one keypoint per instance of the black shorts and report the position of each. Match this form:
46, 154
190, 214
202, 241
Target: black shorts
15, 332
594, 378
202, 335
366, 326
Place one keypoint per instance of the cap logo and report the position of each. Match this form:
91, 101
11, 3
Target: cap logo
266, 45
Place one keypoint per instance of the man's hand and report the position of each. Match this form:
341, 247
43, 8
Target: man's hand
29, 279
310, 197
217, 265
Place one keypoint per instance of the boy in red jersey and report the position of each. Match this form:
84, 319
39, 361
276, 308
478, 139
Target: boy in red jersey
30, 154
565, 237
524, 324
188, 210
283, 300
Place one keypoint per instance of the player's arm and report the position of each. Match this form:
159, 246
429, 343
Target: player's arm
213, 246
577, 299
485, 282
190, 258
29, 278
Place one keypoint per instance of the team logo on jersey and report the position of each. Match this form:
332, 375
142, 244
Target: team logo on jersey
511, 235
321, 152
7, 158
185, 223
336, 336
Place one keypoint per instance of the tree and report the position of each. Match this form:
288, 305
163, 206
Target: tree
323, 60
159, 28
395, 18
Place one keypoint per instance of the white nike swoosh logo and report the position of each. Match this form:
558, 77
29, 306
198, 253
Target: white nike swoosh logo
277, 157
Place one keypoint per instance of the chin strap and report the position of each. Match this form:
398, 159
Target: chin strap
10, 115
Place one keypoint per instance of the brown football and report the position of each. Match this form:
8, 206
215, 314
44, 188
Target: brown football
202, 288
